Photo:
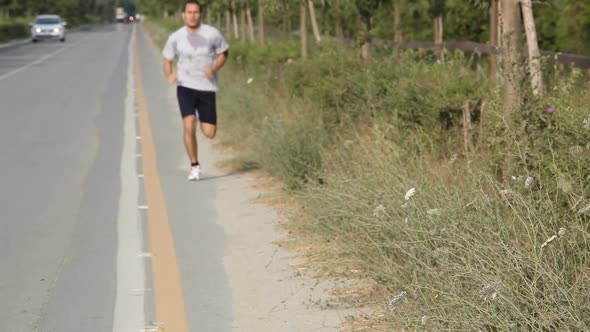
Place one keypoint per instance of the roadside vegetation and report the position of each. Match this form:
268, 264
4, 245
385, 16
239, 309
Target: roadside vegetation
15, 15
410, 170
14, 29
375, 154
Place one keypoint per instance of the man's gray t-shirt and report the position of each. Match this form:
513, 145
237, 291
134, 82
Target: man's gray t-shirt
196, 52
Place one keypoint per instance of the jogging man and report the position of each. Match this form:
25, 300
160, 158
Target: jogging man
201, 52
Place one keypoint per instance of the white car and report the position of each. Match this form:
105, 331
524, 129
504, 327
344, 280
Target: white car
48, 27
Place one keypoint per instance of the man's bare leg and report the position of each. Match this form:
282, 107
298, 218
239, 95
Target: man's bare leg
190, 138
208, 129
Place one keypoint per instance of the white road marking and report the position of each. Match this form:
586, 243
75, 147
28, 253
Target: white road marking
129, 306
17, 57
36, 62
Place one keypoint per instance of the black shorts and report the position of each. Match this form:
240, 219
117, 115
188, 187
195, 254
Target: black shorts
191, 101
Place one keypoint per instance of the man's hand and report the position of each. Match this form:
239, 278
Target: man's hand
210, 73
169, 72
171, 79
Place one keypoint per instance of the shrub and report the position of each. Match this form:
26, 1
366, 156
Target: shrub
14, 29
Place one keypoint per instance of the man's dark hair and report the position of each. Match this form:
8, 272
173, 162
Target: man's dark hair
189, 2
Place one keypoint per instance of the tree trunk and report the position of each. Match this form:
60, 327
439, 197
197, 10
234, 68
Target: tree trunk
303, 28
397, 18
204, 14
261, 22
366, 52
339, 31
467, 141
228, 20
511, 53
235, 21
243, 24
314, 23
338, 21
438, 36
219, 21
366, 39
493, 40
285, 21
511, 61
438, 29
250, 23
533, 47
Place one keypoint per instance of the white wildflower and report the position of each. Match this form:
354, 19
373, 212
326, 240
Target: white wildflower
564, 185
406, 220
562, 232
250, 80
587, 123
424, 320
584, 209
405, 205
433, 212
348, 144
396, 300
453, 159
517, 177
576, 151
549, 240
379, 211
410, 193
529, 182
490, 291
506, 192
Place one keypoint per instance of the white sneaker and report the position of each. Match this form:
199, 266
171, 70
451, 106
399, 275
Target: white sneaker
195, 173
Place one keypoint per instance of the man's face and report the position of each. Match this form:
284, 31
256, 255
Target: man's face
192, 15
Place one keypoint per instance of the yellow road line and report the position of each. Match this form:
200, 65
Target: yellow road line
167, 286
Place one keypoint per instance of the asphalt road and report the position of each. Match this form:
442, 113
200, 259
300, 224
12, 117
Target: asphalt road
62, 111
99, 229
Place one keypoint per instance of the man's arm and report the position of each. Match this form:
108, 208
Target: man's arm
220, 60
169, 71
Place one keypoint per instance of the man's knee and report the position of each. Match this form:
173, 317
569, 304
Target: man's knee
209, 133
190, 126
209, 130
189, 131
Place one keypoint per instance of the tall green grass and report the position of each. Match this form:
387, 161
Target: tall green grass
468, 250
